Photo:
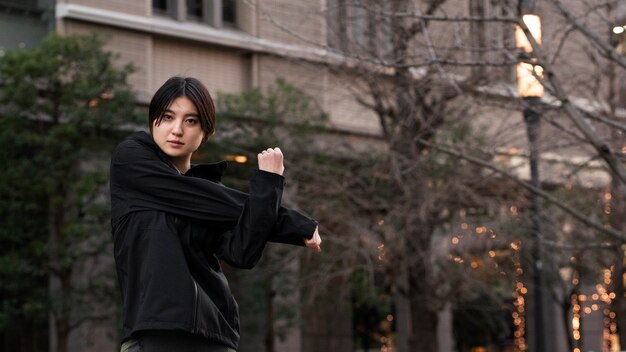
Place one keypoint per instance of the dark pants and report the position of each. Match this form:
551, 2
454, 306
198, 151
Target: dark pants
168, 341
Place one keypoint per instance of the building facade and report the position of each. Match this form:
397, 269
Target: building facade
230, 45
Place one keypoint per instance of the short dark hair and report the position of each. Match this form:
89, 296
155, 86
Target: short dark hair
191, 88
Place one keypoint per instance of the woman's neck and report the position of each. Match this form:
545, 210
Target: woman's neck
182, 164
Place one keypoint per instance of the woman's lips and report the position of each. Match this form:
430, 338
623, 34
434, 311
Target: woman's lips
175, 143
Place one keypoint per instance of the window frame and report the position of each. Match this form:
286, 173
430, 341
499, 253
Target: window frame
212, 13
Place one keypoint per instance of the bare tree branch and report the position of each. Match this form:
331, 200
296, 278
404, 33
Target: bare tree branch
573, 112
545, 195
603, 47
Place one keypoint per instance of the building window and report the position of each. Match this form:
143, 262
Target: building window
229, 12
22, 5
215, 13
359, 27
159, 6
490, 42
194, 10
337, 29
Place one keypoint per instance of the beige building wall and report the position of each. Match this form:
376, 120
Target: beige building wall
131, 46
334, 93
247, 17
223, 69
133, 7
218, 68
298, 22
158, 58
347, 114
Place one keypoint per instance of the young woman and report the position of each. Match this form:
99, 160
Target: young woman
173, 221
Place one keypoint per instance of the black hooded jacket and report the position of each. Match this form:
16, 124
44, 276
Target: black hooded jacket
170, 230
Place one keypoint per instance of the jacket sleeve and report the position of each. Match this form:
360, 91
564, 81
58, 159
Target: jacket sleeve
143, 181
140, 180
243, 245
292, 227
263, 219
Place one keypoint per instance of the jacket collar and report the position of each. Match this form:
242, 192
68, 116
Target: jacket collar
211, 171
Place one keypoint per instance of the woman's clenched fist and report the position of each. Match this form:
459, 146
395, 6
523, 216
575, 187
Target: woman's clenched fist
315, 242
271, 160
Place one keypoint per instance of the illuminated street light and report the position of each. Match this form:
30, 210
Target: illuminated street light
527, 83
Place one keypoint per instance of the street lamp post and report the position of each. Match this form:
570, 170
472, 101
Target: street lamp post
531, 91
532, 120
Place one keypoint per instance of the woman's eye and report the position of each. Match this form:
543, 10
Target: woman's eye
192, 121
167, 117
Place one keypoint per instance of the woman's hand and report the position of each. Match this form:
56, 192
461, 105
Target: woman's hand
315, 242
271, 160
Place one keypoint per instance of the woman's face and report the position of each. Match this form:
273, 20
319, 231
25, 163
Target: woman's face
179, 133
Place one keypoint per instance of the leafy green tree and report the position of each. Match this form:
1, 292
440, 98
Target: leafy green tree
62, 106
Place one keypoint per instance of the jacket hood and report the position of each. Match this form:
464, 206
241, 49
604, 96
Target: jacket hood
210, 171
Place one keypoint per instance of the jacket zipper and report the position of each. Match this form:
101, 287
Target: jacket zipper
195, 307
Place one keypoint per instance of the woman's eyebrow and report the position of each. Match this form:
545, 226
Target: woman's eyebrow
186, 114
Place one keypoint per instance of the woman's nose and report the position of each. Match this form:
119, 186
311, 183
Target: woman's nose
177, 129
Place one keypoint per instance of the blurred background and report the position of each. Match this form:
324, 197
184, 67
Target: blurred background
465, 160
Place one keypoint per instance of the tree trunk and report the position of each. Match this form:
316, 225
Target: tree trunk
270, 294
62, 330
566, 305
618, 212
403, 309
62, 321
61, 274
424, 322
619, 303
424, 303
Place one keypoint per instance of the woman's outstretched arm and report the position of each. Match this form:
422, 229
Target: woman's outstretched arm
141, 180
